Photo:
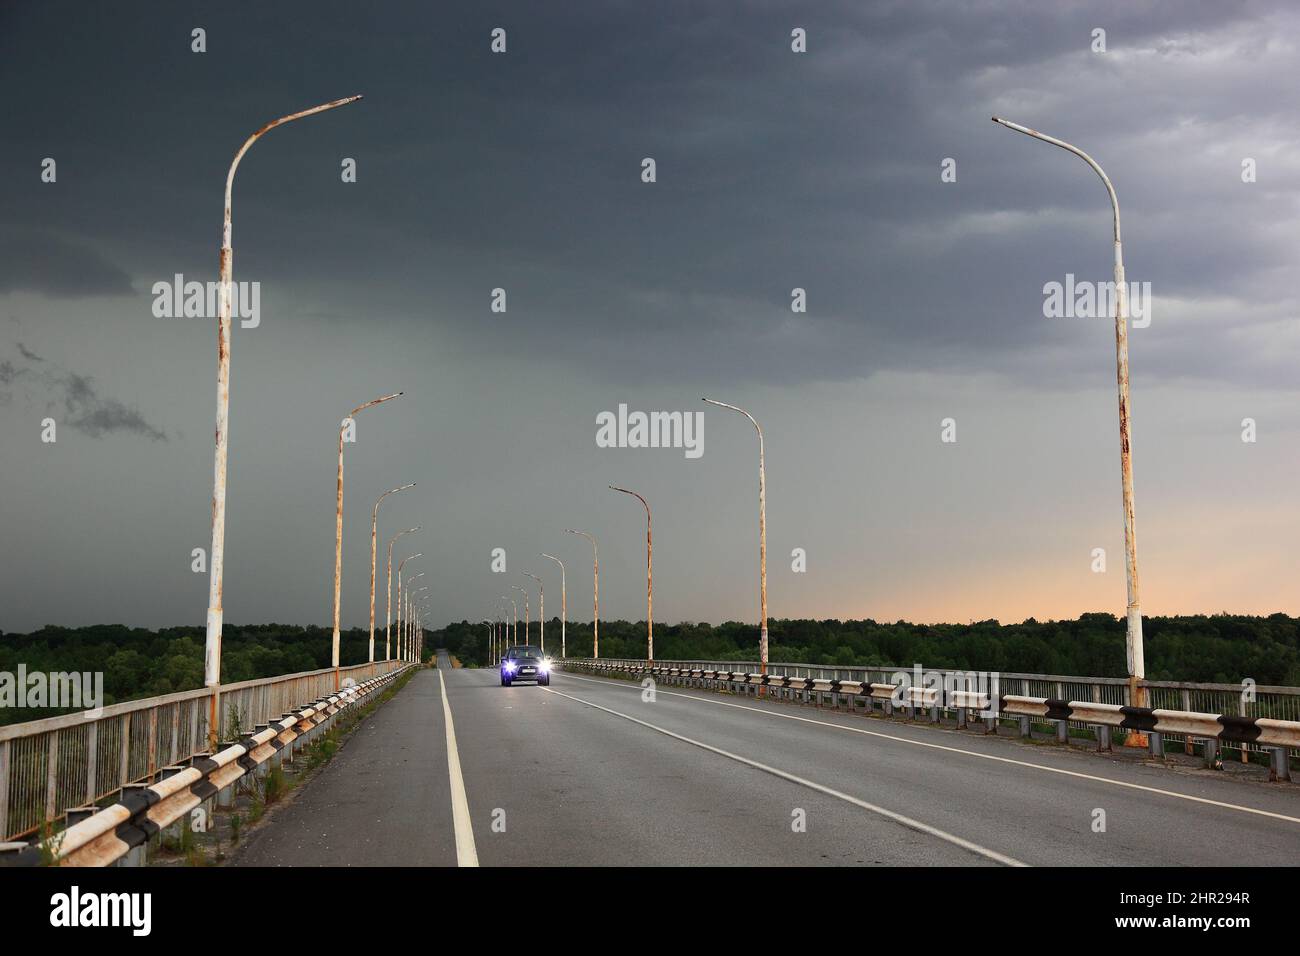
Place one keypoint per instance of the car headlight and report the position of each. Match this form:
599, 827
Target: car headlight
510, 666
544, 666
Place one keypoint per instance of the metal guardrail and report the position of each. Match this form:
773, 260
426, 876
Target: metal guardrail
1270, 704
50, 766
111, 834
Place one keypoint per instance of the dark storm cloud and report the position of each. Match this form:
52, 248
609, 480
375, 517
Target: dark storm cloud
775, 171
33, 260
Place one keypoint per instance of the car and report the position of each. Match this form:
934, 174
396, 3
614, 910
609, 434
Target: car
525, 662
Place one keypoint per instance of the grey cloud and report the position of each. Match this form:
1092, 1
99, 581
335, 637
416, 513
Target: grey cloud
97, 416
87, 411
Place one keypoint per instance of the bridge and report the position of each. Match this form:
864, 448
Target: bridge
620, 764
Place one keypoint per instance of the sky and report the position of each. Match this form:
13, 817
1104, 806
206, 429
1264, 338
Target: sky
774, 170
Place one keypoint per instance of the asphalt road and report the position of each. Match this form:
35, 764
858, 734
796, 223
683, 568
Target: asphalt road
587, 772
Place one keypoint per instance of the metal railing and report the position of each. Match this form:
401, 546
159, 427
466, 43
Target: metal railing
50, 766
1277, 702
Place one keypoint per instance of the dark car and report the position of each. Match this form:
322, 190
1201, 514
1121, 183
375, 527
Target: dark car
525, 662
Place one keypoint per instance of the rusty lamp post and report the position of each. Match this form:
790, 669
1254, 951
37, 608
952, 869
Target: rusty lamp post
541, 609
388, 621
564, 605
762, 538
527, 623
595, 593
338, 523
374, 540
1133, 630
212, 640
649, 577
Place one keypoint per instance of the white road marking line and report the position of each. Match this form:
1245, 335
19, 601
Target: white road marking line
466, 854
811, 785
958, 750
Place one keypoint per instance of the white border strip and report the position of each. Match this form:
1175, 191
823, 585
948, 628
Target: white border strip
466, 854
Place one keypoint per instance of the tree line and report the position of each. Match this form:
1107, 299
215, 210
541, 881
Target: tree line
1223, 648
137, 662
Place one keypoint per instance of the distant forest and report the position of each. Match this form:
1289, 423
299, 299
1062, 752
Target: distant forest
1221, 648
143, 663
1218, 649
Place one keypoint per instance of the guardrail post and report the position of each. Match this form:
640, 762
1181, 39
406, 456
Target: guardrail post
51, 774
77, 814
961, 718
1279, 765
1211, 753
225, 797
1156, 743
4, 789
137, 855
1025, 730
92, 759
173, 830
1103, 737
124, 773
1062, 731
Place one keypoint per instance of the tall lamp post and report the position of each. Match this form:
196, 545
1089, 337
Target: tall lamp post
541, 609
410, 604
649, 577
762, 537
388, 619
595, 593
212, 641
400, 564
374, 540
527, 628
1133, 630
513, 636
564, 605
338, 522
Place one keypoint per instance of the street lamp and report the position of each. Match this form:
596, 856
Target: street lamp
406, 634
1133, 635
400, 565
595, 592
338, 523
513, 636
526, 621
212, 641
564, 605
374, 539
762, 538
388, 619
413, 620
541, 609
649, 577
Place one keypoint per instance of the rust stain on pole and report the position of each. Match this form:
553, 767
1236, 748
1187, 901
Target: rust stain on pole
649, 576
216, 566
1133, 627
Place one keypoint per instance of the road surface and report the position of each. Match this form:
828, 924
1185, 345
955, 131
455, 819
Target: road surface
587, 772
